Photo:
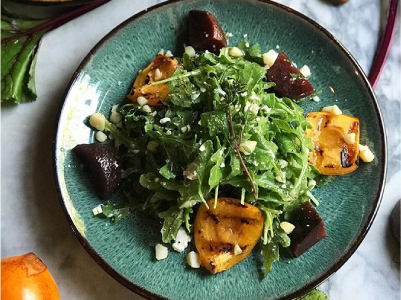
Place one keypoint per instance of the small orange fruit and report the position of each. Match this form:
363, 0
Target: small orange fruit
26, 277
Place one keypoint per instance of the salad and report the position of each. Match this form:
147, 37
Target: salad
215, 145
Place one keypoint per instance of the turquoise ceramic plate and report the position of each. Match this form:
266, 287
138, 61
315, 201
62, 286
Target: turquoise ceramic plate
126, 249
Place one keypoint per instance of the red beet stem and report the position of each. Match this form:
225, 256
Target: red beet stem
58, 20
385, 45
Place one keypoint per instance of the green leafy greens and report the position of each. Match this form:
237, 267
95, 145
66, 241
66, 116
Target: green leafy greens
222, 133
20, 40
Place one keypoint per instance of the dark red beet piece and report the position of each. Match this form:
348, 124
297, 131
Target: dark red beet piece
205, 32
309, 229
104, 164
288, 79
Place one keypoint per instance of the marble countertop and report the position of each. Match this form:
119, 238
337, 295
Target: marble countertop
31, 216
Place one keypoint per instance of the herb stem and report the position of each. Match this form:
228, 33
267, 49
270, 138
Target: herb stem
230, 120
181, 76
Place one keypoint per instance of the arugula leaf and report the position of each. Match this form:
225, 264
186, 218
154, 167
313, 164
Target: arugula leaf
314, 295
173, 218
115, 212
20, 40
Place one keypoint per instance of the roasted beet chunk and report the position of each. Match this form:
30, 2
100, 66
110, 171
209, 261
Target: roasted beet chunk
104, 164
205, 32
309, 229
288, 79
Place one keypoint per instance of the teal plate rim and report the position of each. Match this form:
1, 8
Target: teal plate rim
336, 266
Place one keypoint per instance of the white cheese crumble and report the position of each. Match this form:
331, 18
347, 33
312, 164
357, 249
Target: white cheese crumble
202, 148
237, 249
193, 260
365, 153
269, 57
190, 51
165, 120
98, 121
161, 51
190, 172
222, 165
305, 71
142, 101
287, 227
334, 109
146, 108
254, 109
316, 98
169, 54
100, 136
161, 252
350, 138
236, 52
115, 117
229, 35
158, 74
181, 240
247, 147
97, 210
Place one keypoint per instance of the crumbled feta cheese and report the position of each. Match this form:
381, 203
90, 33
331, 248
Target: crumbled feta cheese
236, 52
266, 108
316, 98
287, 227
350, 138
98, 121
222, 165
161, 252
245, 36
193, 260
142, 101
305, 71
365, 153
190, 51
229, 35
115, 117
202, 89
184, 129
195, 96
190, 172
181, 240
97, 210
277, 47
165, 120
202, 148
146, 108
269, 57
334, 109
311, 183
100, 136
254, 96
152, 146
254, 109
237, 249
169, 54
161, 51
168, 132
247, 44
247, 147
158, 74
